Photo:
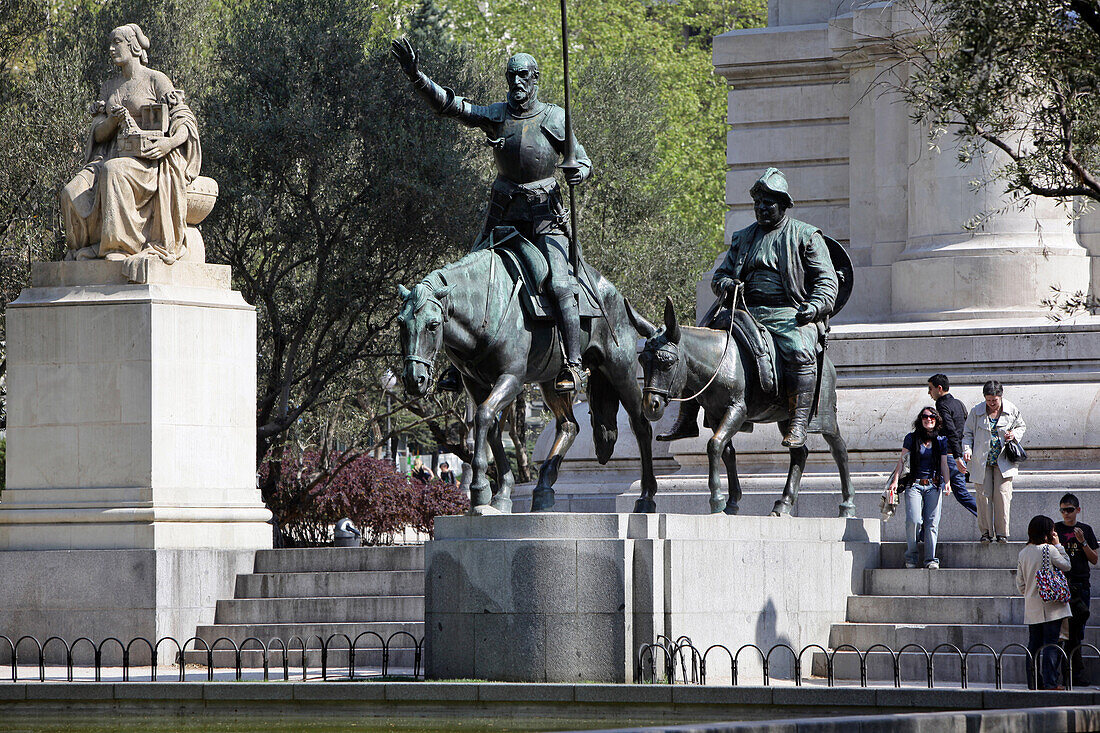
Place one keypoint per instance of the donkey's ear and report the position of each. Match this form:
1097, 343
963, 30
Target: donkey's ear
641, 325
443, 292
672, 328
403, 292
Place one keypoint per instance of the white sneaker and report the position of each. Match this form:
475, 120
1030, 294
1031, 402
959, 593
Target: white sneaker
934, 565
910, 565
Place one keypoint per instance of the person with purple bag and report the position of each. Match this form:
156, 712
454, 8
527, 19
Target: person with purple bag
1037, 569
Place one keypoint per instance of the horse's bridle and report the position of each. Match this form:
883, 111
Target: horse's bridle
430, 363
729, 337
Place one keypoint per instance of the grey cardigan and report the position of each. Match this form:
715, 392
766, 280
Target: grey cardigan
1036, 610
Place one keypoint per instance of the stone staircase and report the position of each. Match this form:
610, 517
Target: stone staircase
971, 600
318, 592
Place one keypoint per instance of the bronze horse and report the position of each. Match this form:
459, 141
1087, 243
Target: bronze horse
709, 363
474, 316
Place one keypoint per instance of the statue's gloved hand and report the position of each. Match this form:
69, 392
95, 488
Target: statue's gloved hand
573, 176
727, 286
807, 313
405, 54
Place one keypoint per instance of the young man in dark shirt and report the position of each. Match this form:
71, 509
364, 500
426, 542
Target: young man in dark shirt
1080, 544
953, 413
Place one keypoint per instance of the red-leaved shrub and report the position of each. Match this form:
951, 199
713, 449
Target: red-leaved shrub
370, 492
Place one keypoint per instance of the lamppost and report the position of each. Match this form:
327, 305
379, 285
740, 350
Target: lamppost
388, 382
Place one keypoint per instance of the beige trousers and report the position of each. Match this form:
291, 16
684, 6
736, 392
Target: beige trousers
994, 496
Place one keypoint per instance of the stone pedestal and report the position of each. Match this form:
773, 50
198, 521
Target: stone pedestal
571, 597
131, 502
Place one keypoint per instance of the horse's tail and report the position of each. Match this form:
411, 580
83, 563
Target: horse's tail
603, 404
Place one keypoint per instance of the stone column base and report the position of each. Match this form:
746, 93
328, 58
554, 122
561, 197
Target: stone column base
570, 597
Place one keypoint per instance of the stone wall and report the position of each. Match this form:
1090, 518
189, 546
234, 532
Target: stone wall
560, 597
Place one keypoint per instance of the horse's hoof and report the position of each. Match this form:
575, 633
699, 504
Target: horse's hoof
484, 510
731, 508
718, 505
542, 500
848, 510
481, 495
502, 505
645, 506
781, 509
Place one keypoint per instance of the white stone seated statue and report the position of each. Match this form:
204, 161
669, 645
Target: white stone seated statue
139, 193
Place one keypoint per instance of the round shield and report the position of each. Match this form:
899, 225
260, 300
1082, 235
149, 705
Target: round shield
845, 272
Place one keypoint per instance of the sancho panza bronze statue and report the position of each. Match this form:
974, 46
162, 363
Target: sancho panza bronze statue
528, 140
790, 288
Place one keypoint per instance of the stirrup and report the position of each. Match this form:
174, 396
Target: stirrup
449, 381
685, 426
570, 378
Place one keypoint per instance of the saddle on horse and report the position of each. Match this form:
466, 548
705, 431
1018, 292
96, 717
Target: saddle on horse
527, 267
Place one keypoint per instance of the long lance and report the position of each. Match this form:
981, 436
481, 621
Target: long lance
570, 162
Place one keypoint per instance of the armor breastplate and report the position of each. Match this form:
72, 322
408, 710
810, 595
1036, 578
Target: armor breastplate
527, 155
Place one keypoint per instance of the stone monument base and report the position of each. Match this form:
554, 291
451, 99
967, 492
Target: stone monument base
121, 593
131, 500
554, 597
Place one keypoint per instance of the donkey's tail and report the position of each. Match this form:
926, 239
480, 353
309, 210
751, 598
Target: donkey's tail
603, 404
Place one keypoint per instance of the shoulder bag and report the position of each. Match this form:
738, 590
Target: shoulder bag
1052, 583
1015, 452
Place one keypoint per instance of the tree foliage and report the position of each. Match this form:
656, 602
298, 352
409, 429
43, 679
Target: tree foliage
379, 501
1018, 76
325, 168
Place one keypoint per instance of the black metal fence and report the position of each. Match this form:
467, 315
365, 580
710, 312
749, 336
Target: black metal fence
276, 653
683, 657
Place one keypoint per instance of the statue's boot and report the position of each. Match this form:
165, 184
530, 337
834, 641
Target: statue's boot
572, 373
800, 393
686, 425
449, 381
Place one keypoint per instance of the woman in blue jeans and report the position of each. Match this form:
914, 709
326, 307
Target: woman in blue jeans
923, 485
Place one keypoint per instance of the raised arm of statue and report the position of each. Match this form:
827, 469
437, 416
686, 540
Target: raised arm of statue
440, 100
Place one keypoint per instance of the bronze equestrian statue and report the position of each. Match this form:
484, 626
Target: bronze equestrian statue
528, 141
783, 279
790, 288
489, 311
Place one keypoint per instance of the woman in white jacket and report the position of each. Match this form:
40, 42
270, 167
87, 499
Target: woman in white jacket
1043, 618
989, 427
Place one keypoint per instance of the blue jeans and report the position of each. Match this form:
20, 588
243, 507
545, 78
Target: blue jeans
922, 507
958, 488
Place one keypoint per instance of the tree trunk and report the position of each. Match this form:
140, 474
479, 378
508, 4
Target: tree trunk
518, 429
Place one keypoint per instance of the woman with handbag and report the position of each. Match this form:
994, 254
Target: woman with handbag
924, 485
1046, 594
990, 428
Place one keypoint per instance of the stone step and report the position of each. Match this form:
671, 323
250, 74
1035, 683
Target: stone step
305, 610
330, 584
942, 582
340, 559
980, 668
999, 609
362, 634
929, 635
958, 554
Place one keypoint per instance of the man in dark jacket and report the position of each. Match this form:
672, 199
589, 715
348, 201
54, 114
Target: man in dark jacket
953, 414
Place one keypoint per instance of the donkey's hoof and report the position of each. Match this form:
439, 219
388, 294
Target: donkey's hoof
848, 510
542, 500
645, 506
501, 504
731, 508
484, 510
781, 509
